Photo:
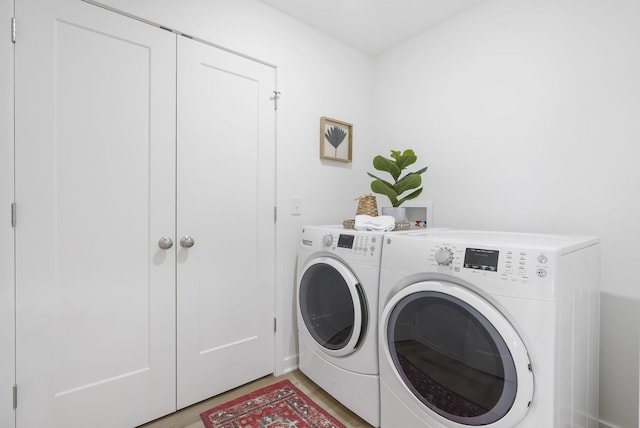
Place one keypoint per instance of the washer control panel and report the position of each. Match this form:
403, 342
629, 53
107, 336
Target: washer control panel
508, 264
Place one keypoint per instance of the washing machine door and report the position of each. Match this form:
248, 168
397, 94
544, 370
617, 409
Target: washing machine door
457, 355
332, 305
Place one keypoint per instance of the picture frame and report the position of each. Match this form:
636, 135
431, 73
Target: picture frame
336, 139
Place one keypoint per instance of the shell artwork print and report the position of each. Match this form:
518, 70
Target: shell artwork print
335, 136
335, 140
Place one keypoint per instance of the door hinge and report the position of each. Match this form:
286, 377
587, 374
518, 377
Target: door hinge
275, 325
275, 98
13, 29
15, 396
13, 214
275, 214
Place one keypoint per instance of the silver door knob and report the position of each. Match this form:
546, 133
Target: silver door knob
186, 242
165, 243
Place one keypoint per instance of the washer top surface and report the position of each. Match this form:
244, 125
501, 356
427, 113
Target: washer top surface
557, 243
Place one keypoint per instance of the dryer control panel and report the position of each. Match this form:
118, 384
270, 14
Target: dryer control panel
364, 247
349, 243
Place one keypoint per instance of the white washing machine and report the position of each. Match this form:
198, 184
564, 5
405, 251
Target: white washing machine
337, 292
489, 329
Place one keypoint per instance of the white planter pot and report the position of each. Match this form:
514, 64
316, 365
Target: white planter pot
399, 213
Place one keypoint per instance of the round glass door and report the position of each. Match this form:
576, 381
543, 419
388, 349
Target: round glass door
332, 306
452, 353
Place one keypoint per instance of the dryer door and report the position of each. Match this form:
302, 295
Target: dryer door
332, 304
457, 354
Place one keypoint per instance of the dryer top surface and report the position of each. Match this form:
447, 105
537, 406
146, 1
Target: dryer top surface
341, 229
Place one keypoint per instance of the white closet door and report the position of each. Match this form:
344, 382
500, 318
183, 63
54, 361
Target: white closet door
95, 190
7, 318
225, 287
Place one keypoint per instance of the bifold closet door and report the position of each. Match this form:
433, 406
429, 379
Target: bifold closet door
225, 286
95, 192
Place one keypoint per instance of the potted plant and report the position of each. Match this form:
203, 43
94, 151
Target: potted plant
394, 190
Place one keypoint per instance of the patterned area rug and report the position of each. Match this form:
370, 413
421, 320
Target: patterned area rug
280, 405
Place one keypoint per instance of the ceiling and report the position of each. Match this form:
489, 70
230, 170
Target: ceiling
372, 26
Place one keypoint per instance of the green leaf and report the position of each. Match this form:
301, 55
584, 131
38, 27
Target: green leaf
378, 186
409, 197
421, 171
383, 164
380, 179
407, 158
408, 182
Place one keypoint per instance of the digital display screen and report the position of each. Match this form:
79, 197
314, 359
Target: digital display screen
345, 241
477, 258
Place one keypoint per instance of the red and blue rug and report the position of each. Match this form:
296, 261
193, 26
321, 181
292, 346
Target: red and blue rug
280, 405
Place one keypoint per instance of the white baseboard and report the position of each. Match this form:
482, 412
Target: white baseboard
289, 364
292, 369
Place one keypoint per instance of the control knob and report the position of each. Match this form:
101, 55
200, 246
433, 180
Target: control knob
327, 240
444, 256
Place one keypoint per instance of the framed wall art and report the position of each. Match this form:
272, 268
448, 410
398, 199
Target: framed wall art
336, 139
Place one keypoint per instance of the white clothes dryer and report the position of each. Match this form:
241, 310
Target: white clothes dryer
337, 313
490, 329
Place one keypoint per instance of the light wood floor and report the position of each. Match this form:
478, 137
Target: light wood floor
190, 417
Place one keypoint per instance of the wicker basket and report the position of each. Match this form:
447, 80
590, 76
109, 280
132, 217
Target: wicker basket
349, 224
367, 206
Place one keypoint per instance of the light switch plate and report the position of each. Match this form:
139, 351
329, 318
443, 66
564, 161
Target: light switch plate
296, 206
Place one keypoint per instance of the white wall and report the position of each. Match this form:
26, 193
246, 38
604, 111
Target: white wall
6, 231
317, 76
527, 113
